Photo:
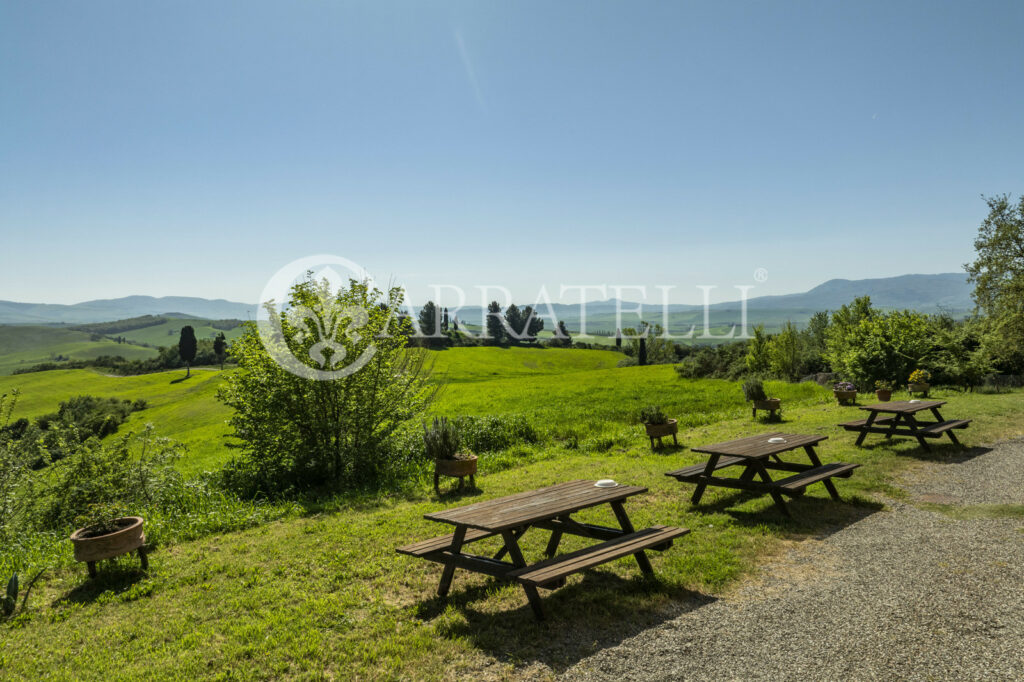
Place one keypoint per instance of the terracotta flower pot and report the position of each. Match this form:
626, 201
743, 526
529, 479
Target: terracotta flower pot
770, 404
92, 548
845, 397
456, 468
883, 395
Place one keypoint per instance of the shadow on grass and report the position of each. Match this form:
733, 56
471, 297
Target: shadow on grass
113, 577
588, 615
668, 449
180, 379
942, 452
817, 517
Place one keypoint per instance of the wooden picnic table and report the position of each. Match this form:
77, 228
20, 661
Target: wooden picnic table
757, 455
549, 509
903, 423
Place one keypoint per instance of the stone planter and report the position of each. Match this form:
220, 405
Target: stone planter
770, 404
456, 468
918, 388
92, 548
845, 397
883, 396
659, 431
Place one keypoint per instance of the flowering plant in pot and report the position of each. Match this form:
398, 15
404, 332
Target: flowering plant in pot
883, 390
106, 532
442, 441
918, 382
845, 392
658, 425
753, 391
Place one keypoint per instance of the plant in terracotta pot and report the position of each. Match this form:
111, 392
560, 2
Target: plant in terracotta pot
883, 390
918, 382
845, 392
107, 532
442, 441
753, 391
658, 425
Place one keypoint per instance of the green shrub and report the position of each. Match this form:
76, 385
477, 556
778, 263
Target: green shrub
92, 416
652, 414
753, 389
441, 439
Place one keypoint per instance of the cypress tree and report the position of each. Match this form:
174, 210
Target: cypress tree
187, 348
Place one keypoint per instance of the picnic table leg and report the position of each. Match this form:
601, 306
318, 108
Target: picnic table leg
952, 436
829, 485
556, 537
516, 555
519, 533
709, 471
867, 424
627, 527
912, 423
776, 495
748, 473
449, 568
892, 427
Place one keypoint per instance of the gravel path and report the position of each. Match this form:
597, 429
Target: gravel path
901, 594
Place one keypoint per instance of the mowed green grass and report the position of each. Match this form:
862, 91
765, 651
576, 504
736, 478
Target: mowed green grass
324, 596
25, 346
459, 365
167, 333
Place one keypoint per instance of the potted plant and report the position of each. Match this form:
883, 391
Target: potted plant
658, 425
918, 382
883, 390
107, 533
753, 391
442, 442
845, 392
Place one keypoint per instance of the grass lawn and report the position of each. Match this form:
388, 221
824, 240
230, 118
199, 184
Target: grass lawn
167, 333
322, 594
25, 346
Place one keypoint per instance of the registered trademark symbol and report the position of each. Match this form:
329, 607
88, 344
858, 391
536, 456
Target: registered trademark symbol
760, 275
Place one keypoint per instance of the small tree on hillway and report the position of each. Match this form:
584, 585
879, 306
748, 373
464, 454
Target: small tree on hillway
220, 346
187, 348
495, 328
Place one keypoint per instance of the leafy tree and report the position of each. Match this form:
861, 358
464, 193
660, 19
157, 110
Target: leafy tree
881, 346
495, 328
784, 351
758, 361
220, 346
562, 334
430, 319
187, 348
514, 323
299, 433
998, 276
531, 324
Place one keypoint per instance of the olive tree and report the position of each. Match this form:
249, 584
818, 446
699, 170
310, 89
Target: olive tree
300, 430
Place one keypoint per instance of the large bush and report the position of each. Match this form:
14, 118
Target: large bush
299, 432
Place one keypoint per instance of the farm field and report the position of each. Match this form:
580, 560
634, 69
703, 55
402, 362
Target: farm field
22, 346
328, 596
166, 333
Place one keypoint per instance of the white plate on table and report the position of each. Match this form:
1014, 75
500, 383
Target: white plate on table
605, 483
914, 401
776, 440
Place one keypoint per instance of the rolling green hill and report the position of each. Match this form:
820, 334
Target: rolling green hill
166, 332
24, 346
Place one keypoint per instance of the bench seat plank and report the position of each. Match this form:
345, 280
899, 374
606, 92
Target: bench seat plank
941, 427
554, 570
856, 425
425, 547
826, 471
696, 470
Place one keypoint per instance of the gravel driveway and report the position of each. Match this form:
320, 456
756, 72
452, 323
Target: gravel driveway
902, 594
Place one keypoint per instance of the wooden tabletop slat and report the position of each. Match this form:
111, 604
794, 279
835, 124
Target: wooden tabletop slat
535, 505
903, 406
758, 446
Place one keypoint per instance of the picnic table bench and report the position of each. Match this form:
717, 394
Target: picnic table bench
548, 509
759, 454
904, 424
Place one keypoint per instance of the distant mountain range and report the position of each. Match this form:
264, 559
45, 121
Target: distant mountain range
948, 292
108, 310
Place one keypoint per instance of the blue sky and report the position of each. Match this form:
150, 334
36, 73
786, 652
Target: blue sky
193, 148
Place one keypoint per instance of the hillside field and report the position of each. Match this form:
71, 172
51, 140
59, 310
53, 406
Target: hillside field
23, 346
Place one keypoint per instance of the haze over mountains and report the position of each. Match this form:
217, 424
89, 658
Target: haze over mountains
948, 292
